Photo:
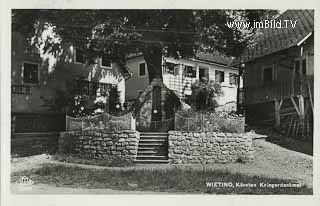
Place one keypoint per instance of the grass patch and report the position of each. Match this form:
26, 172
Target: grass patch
170, 180
104, 162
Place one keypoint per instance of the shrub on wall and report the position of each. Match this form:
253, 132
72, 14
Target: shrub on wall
191, 120
204, 94
171, 104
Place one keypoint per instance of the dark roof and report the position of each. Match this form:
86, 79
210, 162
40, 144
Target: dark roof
214, 57
275, 39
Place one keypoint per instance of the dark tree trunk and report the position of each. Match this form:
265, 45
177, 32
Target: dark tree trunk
153, 58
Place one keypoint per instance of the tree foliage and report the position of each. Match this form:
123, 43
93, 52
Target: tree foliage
118, 33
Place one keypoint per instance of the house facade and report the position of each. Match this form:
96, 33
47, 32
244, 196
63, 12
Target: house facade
37, 81
139, 77
279, 71
179, 74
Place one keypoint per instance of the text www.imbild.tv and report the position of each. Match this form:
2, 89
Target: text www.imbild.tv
263, 24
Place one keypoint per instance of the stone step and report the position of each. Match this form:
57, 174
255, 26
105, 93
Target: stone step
153, 133
153, 137
152, 157
156, 144
152, 140
152, 152
155, 148
151, 161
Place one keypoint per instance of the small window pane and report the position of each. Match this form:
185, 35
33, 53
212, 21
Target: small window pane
190, 71
233, 78
219, 76
169, 68
30, 73
142, 69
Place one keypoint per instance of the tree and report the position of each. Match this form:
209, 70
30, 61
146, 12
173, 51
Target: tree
117, 33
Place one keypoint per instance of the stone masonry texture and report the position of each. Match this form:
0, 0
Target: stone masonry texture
100, 144
209, 147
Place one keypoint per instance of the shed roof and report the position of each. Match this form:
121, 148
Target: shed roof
214, 57
275, 39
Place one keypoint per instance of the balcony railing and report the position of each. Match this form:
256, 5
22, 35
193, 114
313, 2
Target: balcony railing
278, 90
89, 88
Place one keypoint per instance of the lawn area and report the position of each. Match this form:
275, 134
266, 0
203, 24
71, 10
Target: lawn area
164, 180
272, 164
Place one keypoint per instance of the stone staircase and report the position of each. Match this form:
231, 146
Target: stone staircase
153, 148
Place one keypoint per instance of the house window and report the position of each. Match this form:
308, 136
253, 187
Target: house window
31, 73
219, 76
267, 74
176, 70
142, 69
105, 62
79, 56
169, 68
190, 72
233, 79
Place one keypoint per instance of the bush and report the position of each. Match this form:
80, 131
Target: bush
204, 94
171, 103
210, 121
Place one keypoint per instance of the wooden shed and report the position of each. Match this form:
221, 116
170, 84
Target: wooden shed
278, 75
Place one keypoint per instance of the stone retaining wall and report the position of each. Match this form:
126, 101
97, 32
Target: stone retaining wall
209, 147
100, 144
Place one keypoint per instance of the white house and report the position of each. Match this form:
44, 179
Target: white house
179, 74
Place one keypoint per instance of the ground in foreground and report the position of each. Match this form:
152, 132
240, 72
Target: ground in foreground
272, 164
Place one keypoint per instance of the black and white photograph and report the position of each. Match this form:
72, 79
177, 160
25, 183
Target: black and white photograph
161, 101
